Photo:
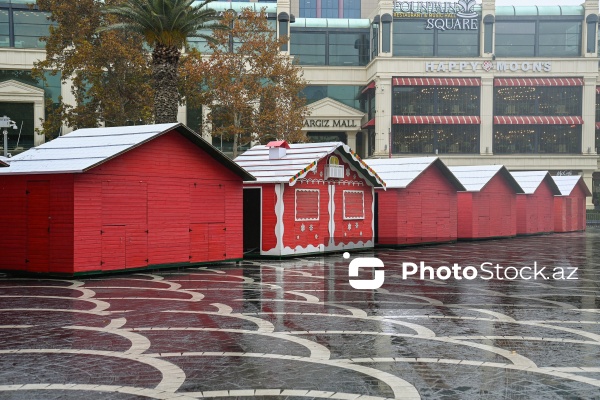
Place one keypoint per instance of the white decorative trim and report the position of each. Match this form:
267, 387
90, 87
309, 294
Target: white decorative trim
296, 205
344, 204
279, 209
331, 209
324, 182
372, 214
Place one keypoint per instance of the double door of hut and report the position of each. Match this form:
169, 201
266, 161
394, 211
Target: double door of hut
37, 257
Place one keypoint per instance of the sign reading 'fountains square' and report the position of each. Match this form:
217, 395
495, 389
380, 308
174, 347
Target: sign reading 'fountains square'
440, 15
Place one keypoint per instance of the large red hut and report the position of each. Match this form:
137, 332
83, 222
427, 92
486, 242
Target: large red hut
487, 208
308, 198
419, 204
535, 207
120, 198
569, 207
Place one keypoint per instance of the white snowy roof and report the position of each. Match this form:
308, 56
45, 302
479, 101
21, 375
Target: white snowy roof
531, 180
84, 149
475, 177
298, 161
398, 173
4, 161
566, 184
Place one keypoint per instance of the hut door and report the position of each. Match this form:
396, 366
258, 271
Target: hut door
198, 243
252, 219
38, 226
216, 242
207, 222
113, 247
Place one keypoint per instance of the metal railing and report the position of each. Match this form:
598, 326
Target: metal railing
593, 217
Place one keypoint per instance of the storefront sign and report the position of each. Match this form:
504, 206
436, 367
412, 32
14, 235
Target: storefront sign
440, 15
329, 123
487, 66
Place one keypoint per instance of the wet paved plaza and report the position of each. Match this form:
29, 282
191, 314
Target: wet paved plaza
296, 329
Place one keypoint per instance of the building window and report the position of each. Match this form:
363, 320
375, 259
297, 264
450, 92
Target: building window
435, 139
349, 95
412, 39
538, 38
386, 33
538, 100
592, 25
488, 40
307, 204
4, 29
352, 9
308, 8
354, 204
29, 26
329, 9
436, 100
512, 139
309, 47
375, 37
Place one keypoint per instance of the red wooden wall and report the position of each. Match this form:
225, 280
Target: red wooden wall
535, 212
489, 213
570, 211
166, 202
424, 212
37, 223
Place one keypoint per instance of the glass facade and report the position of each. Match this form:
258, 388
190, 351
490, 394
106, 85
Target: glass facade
28, 26
513, 139
411, 39
436, 100
435, 139
538, 100
330, 9
349, 95
538, 38
330, 47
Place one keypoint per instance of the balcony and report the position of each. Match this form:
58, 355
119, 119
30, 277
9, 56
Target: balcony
334, 171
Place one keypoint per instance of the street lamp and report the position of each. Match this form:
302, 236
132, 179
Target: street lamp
6, 122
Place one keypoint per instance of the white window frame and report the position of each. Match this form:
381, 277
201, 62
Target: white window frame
296, 204
344, 205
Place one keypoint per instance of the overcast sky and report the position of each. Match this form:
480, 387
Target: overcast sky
539, 2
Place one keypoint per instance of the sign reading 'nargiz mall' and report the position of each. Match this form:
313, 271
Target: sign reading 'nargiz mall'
329, 123
440, 15
487, 66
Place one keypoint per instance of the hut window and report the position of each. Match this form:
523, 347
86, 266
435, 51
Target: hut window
354, 204
307, 205
333, 160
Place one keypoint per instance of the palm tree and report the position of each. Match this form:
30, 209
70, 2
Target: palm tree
166, 25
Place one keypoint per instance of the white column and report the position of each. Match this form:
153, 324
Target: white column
486, 104
588, 129
383, 115
206, 126
351, 139
38, 116
587, 178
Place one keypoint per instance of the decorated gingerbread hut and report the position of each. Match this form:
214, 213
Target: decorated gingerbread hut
569, 206
420, 203
307, 198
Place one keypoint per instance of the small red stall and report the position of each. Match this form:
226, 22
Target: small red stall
569, 207
535, 207
487, 209
419, 203
120, 198
308, 198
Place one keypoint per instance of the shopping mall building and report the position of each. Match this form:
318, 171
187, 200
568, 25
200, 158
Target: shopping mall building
471, 81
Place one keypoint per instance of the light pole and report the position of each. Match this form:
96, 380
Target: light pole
5, 123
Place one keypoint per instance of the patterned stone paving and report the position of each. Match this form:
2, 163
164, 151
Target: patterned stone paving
296, 329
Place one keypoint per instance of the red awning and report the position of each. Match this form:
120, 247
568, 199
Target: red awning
597, 125
597, 89
370, 123
435, 119
538, 82
539, 120
370, 86
437, 82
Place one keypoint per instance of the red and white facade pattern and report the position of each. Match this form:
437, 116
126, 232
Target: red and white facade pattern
435, 119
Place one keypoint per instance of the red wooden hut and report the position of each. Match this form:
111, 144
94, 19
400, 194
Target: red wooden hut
535, 207
120, 198
569, 207
308, 198
487, 209
419, 203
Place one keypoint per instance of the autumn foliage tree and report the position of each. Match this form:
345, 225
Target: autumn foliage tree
111, 78
254, 92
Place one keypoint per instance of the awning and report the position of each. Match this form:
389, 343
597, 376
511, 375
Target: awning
538, 82
597, 125
435, 119
597, 89
437, 82
538, 120
370, 86
368, 124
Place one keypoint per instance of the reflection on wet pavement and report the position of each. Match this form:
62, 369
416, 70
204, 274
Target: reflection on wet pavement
296, 329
